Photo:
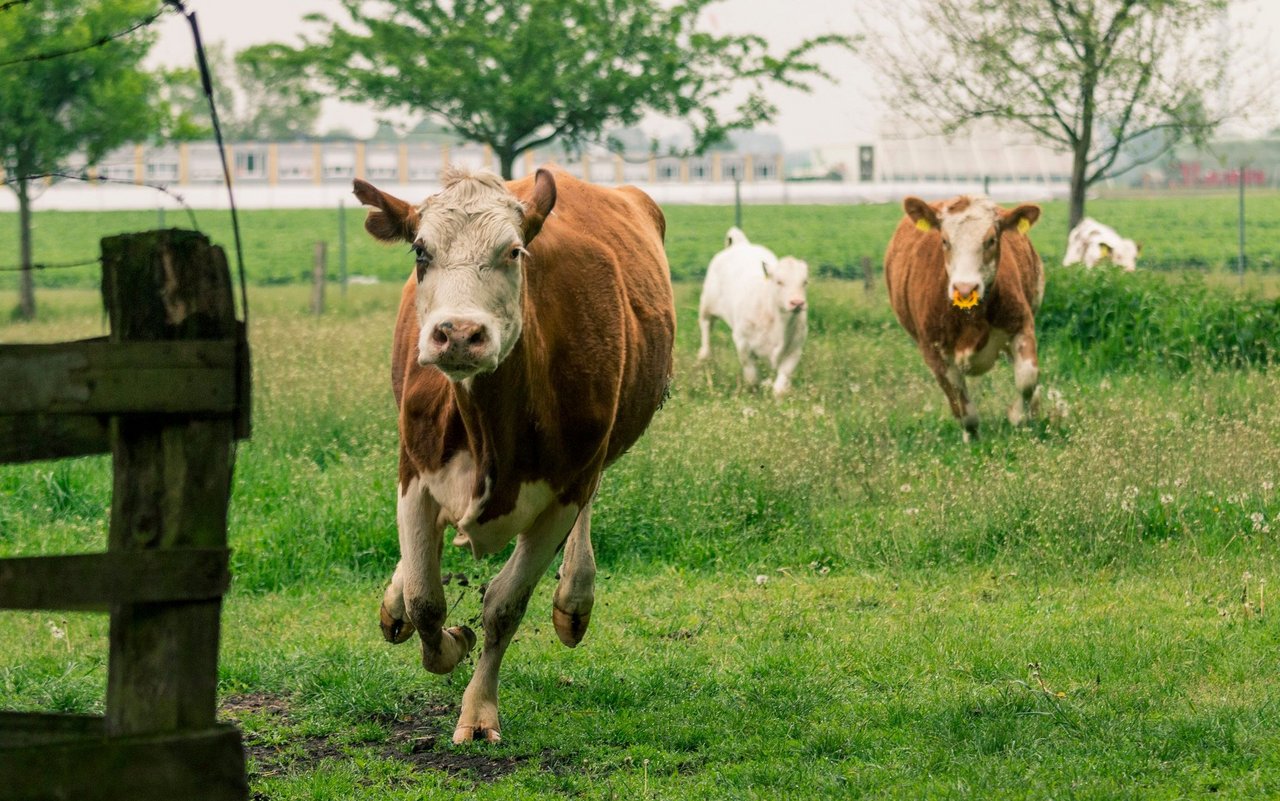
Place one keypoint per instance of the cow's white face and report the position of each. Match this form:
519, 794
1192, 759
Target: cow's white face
971, 229
790, 277
1125, 254
468, 243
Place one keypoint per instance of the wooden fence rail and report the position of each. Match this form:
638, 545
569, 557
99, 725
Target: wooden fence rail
167, 393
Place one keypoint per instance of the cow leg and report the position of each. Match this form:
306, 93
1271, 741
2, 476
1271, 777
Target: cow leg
704, 325
575, 594
786, 366
750, 373
415, 597
504, 604
953, 386
1026, 376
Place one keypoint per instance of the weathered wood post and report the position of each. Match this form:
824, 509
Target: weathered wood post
318, 270
868, 278
167, 394
172, 482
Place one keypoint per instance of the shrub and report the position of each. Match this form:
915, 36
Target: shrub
1106, 319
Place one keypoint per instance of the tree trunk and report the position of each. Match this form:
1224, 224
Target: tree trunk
1079, 169
27, 290
506, 162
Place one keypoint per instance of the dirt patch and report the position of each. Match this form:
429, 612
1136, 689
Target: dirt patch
418, 739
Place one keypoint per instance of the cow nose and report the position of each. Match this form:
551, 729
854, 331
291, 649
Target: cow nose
460, 337
797, 305
965, 290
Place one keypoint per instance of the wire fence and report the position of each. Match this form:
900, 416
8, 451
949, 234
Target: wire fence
206, 80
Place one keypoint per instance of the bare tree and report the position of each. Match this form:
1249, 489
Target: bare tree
1117, 83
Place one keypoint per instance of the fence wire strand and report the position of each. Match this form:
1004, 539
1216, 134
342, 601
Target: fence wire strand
91, 179
62, 265
206, 80
98, 42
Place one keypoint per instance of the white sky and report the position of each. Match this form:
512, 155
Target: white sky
833, 115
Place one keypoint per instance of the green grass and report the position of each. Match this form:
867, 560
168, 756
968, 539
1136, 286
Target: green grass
1071, 611
1177, 232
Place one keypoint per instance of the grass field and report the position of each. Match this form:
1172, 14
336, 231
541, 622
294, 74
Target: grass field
823, 597
1177, 232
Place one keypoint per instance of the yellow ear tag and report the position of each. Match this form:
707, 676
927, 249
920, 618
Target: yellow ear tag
1023, 225
923, 225
1106, 251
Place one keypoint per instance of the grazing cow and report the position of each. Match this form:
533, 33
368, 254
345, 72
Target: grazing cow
762, 298
966, 283
1092, 242
531, 350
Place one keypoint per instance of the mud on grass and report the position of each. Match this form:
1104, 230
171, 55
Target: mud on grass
417, 739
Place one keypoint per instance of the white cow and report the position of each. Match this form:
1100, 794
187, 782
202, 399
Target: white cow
1091, 242
762, 298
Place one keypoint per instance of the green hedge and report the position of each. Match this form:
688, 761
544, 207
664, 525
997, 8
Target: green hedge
1106, 319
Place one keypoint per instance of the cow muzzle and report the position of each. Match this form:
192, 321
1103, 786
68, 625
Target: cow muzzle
458, 347
965, 294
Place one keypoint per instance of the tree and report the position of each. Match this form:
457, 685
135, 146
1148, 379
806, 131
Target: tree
516, 75
1090, 76
87, 102
262, 93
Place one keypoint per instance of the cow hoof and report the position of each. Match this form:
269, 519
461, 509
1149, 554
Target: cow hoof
394, 630
485, 734
465, 633
570, 627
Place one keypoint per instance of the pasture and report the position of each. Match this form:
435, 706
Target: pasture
823, 596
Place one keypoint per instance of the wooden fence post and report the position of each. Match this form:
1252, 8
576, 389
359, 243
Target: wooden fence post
172, 483
317, 280
868, 278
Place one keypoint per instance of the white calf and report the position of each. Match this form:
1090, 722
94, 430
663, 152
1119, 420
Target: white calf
1091, 242
763, 300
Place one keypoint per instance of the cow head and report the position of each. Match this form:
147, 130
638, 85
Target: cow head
468, 243
1125, 254
790, 276
971, 229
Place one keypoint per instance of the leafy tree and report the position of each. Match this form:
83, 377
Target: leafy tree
262, 93
1090, 76
87, 102
515, 75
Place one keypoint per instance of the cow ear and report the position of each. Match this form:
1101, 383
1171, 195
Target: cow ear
1020, 219
539, 206
394, 220
921, 213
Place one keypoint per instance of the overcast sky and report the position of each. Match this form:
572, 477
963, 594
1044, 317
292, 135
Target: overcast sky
841, 114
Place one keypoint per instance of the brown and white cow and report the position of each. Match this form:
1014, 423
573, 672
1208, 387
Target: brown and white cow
531, 350
965, 282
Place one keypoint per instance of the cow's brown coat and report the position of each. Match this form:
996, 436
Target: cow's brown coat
918, 291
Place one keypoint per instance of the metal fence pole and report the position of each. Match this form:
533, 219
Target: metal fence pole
1240, 225
737, 201
342, 245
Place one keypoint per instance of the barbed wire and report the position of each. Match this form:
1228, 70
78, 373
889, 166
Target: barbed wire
63, 265
96, 43
90, 179
206, 81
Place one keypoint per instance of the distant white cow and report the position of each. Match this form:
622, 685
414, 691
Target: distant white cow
1091, 242
762, 298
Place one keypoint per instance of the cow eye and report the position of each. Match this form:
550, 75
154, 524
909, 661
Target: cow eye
420, 254
991, 242
946, 244
515, 252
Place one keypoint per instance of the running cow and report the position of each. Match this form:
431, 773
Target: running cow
966, 283
531, 350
